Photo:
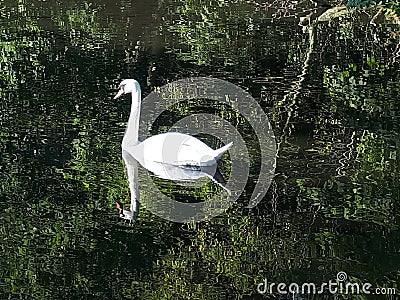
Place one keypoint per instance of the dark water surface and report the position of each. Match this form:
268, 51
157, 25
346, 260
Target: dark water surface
331, 93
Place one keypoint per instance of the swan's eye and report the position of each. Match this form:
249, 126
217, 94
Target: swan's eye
121, 86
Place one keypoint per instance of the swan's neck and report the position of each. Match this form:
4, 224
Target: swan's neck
131, 137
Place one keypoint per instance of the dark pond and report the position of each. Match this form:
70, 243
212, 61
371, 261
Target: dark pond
331, 93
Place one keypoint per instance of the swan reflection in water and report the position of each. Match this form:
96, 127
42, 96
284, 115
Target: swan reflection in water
163, 171
171, 155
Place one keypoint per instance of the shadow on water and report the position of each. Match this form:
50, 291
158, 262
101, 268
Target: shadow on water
332, 206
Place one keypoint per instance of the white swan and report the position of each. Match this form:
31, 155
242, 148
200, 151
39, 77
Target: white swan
171, 155
173, 148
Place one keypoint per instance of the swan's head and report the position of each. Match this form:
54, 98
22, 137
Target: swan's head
127, 86
124, 213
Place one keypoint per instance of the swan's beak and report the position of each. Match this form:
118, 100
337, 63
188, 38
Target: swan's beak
120, 92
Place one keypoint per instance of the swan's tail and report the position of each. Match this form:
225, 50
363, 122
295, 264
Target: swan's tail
219, 152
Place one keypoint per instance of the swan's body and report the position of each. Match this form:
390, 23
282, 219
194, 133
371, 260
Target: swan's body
171, 155
177, 149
